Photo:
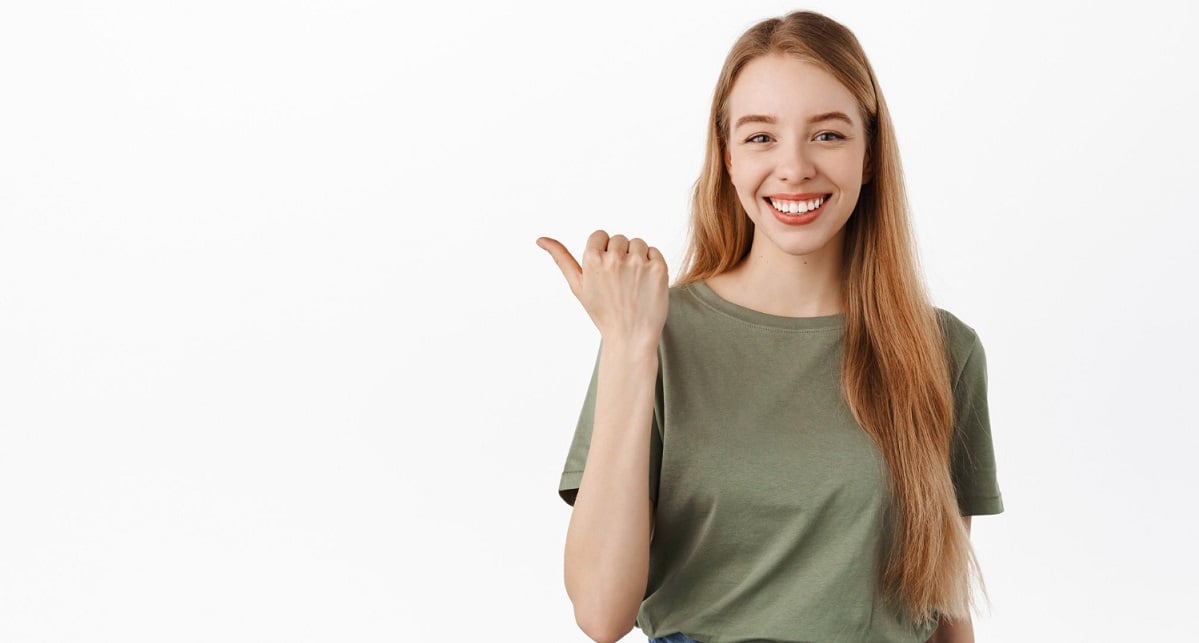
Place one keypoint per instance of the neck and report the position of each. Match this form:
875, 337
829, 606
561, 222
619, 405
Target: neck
777, 283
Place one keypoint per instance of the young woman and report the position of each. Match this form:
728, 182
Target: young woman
813, 430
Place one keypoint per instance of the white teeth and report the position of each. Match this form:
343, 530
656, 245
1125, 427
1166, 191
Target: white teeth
797, 207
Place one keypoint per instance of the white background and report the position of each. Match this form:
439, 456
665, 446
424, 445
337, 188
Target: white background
280, 361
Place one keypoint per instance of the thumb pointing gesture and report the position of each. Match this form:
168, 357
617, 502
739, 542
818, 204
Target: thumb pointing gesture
566, 263
622, 285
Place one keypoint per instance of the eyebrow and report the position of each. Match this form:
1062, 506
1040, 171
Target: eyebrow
767, 118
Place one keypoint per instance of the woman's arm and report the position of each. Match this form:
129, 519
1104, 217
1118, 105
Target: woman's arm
607, 542
955, 631
623, 285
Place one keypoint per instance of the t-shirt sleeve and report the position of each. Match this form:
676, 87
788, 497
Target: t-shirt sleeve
576, 458
972, 453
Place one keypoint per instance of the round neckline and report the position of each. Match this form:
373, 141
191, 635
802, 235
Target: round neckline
758, 318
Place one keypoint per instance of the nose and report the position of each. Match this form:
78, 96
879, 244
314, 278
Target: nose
795, 163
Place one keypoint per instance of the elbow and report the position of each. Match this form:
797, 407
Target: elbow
604, 621
604, 630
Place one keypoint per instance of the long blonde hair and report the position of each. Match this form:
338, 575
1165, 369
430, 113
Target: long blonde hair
894, 370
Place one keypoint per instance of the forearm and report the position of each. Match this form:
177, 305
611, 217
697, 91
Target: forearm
607, 542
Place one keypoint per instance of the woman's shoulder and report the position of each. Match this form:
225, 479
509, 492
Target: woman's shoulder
680, 289
952, 324
960, 338
681, 294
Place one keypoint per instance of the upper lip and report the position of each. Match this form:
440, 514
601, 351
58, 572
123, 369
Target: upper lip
806, 196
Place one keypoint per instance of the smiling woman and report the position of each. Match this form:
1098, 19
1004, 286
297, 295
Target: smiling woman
793, 127
814, 432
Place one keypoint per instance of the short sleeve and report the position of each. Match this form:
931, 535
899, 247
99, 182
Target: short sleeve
576, 458
973, 455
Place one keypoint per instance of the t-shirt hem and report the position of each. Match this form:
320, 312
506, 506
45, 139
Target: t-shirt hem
981, 506
569, 482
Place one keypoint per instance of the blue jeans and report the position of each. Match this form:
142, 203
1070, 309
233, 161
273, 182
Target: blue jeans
677, 637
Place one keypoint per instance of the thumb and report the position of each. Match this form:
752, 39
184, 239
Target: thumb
566, 263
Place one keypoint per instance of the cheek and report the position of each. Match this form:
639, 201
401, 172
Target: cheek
848, 171
746, 175
857, 165
747, 186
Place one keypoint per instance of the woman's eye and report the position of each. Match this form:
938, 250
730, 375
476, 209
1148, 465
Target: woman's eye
757, 138
835, 136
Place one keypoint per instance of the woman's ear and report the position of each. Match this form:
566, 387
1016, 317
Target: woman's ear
867, 169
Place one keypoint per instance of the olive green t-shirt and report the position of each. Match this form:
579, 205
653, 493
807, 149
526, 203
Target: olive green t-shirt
771, 501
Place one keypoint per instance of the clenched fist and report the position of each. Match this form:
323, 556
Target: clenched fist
622, 285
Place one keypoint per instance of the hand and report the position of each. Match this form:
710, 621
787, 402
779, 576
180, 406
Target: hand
622, 285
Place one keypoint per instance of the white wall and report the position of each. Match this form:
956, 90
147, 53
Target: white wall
280, 361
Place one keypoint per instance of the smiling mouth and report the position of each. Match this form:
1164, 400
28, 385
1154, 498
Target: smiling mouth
796, 208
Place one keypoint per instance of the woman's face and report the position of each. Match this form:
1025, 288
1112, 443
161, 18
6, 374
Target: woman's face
796, 141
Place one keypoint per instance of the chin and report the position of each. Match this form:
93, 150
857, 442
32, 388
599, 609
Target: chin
803, 243
802, 251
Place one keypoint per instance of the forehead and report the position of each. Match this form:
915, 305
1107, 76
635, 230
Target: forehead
789, 88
